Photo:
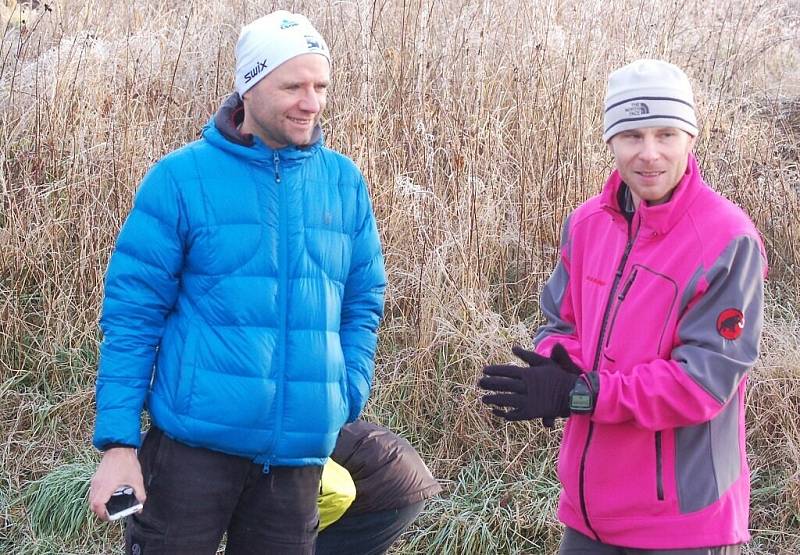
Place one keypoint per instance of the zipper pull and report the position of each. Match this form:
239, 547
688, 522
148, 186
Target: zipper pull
628, 285
277, 160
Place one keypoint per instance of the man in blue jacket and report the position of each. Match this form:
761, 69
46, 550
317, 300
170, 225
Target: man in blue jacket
241, 308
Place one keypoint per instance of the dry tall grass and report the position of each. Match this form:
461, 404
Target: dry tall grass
477, 124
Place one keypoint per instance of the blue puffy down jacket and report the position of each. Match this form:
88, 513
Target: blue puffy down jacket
242, 300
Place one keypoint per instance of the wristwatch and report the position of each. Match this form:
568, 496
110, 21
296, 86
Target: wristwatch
582, 397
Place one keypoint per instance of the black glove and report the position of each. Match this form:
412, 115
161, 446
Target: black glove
560, 356
539, 391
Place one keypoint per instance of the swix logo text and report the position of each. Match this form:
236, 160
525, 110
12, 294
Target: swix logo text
260, 66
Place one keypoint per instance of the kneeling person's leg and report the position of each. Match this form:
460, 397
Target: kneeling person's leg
367, 533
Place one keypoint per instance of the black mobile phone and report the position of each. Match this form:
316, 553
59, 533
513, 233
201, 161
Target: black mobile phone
122, 503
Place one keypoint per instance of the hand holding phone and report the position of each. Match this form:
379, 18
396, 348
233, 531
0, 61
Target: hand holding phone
122, 503
118, 467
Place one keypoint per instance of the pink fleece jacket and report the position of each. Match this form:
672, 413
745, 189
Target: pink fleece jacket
665, 305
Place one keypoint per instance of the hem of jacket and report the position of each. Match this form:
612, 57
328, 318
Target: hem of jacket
171, 425
720, 524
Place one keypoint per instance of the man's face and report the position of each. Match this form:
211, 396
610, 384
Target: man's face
652, 160
285, 106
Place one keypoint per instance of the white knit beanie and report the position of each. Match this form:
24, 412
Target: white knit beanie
648, 93
269, 41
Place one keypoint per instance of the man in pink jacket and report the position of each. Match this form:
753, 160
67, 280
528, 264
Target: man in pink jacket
654, 315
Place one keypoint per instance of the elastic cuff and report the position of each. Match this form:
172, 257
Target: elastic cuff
593, 381
108, 446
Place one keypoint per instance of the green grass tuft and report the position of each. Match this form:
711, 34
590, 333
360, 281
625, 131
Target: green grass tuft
57, 504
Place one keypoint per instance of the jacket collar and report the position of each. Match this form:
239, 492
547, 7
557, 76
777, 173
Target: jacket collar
222, 130
663, 217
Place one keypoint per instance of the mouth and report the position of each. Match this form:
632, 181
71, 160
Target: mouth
650, 174
304, 122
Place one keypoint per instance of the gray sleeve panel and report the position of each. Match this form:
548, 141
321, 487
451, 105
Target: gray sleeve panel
565, 236
735, 281
691, 289
553, 295
550, 303
707, 459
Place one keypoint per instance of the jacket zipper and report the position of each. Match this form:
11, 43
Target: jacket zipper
659, 469
276, 160
282, 302
620, 298
614, 285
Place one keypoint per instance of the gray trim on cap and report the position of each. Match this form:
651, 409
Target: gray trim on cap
649, 111
659, 116
649, 98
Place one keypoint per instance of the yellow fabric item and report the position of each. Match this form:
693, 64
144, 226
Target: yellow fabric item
336, 492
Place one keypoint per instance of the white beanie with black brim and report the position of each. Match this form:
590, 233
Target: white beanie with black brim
648, 93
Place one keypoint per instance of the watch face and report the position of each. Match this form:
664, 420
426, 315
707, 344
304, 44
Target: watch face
580, 402
581, 399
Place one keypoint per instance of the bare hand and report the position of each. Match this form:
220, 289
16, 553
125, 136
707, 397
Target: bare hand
118, 467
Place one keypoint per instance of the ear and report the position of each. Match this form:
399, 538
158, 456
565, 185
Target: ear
610, 145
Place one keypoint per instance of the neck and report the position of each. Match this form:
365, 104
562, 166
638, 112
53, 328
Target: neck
663, 200
248, 127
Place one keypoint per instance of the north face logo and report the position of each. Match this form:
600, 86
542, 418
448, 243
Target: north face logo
637, 109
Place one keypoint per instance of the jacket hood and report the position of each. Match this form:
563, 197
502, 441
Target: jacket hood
662, 217
222, 131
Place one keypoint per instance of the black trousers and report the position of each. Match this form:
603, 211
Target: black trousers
575, 543
196, 495
367, 533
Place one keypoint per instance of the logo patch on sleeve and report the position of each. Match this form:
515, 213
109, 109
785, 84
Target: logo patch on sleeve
730, 323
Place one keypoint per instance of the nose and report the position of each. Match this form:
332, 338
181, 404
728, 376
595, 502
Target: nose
649, 150
310, 102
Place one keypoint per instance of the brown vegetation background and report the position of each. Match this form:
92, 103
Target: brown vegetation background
477, 125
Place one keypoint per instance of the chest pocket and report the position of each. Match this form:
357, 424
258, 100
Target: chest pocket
639, 329
328, 221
